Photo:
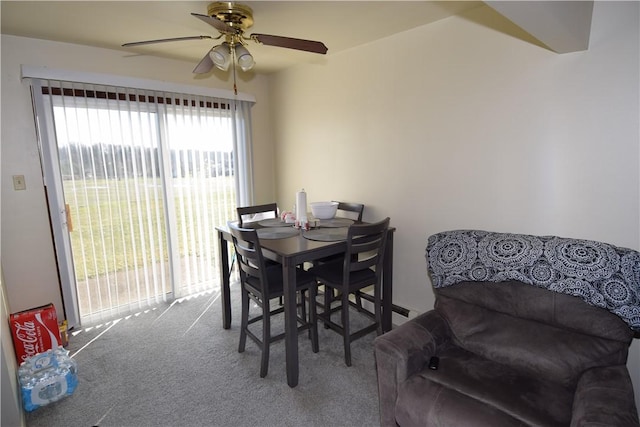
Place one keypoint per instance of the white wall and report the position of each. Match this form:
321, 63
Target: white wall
28, 259
11, 414
481, 130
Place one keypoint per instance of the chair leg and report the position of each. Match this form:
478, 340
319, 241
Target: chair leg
266, 337
359, 300
378, 310
313, 297
346, 333
313, 320
327, 304
303, 305
244, 319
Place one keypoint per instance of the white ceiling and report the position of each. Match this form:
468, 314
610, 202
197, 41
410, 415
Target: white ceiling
340, 25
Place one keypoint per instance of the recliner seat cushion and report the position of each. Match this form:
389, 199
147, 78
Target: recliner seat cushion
467, 386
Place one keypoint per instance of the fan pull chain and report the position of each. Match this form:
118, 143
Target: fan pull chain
235, 88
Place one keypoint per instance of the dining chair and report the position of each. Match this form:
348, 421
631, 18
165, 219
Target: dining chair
262, 283
352, 211
360, 267
248, 213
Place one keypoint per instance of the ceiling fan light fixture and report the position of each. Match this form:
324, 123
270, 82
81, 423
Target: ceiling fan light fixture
245, 60
221, 56
231, 20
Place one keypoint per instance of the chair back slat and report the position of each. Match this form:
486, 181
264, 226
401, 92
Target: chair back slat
268, 210
365, 263
355, 208
250, 257
365, 247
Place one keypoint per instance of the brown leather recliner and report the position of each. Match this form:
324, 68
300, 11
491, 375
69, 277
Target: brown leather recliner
525, 334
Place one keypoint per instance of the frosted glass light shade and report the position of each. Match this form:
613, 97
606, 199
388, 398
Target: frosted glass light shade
221, 56
245, 60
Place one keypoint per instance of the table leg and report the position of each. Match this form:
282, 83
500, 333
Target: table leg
290, 322
387, 284
224, 281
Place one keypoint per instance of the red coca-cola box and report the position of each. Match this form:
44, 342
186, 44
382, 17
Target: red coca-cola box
34, 331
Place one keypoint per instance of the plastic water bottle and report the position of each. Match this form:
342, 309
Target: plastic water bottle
47, 377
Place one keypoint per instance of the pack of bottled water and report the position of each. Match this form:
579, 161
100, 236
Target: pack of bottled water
47, 377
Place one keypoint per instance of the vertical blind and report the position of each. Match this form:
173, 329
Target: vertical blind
145, 177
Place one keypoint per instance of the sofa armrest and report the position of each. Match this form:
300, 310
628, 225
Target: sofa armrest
402, 352
604, 397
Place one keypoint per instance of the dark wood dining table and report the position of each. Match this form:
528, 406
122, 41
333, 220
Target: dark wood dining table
291, 252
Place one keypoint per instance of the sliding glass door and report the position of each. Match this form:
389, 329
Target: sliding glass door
203, 186
144, 179
112, 183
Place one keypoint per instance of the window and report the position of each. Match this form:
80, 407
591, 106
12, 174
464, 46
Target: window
137, 181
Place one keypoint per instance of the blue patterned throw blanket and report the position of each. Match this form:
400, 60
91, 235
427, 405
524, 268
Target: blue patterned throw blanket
603, 275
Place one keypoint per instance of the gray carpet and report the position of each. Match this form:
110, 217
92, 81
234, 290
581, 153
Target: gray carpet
175, 366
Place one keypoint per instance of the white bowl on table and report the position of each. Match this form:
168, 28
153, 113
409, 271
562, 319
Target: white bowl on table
324, 210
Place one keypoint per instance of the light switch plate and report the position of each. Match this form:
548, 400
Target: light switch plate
19, 182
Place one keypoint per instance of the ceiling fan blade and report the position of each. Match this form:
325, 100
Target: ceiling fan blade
174, 39
290, 43
204, 66
216, 23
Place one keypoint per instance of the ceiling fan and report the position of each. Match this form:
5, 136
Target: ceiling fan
231, 20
